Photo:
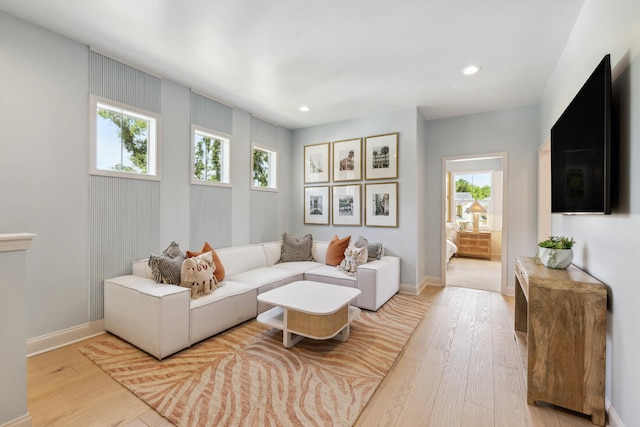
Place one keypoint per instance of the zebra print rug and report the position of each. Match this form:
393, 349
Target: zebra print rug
245, 377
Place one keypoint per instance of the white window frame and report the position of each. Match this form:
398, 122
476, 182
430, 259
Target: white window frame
225, 153
273, 168
154, 144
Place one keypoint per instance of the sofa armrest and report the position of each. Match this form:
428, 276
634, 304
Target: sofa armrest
378, 280
152, 316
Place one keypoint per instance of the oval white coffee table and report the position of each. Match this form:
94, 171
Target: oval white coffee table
310, 309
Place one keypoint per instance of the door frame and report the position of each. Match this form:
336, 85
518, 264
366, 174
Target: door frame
505, 213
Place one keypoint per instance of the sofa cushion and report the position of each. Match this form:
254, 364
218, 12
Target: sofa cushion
264, 276
238, 259
331, 275
219, 272
141, 268
319, 250
166, 266
296, 248
300, 266
272, 250
335, 250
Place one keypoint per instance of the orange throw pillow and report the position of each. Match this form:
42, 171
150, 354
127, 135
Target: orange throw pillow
219, 273
335, 251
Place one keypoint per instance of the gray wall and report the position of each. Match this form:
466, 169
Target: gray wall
45, 186
514, 131
401, 241
44, 180
606, 245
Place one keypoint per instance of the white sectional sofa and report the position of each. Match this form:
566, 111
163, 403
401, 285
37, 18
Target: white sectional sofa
163, 319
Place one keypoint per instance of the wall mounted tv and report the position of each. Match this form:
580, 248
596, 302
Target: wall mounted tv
581, 149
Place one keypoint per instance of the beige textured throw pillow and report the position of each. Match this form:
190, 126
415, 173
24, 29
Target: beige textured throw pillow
296, 248
197, 273
353, 257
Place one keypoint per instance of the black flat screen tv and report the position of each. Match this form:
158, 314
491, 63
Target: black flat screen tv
581, 149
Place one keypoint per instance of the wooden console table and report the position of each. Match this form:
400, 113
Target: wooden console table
560, 323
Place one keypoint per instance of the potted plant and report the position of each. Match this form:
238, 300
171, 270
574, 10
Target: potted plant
556, 251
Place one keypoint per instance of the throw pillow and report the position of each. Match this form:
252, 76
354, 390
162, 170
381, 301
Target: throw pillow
197, 273
376, 251
361, 242
353, 257
335, 250
219, 272
296, 248
166, 267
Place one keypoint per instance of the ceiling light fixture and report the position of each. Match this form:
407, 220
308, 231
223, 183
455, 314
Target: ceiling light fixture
304, 108
470, 70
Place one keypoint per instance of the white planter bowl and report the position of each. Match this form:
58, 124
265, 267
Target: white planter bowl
555, 258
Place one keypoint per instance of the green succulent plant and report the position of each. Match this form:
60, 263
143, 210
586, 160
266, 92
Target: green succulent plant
557, 242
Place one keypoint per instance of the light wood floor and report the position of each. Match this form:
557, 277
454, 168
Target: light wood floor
460, 368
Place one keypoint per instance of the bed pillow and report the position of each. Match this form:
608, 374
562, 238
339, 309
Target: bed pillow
219, 272
335, 250
166, 267
296, 248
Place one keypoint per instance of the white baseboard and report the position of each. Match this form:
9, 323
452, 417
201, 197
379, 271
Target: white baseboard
58, 339
23, 421
415, 290
614, 419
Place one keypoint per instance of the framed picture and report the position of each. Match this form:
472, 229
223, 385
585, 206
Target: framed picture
381, 207
346, 204
316, 163
316, 205
381, 156
347, 160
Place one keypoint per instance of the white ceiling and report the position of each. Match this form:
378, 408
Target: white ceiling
343, 58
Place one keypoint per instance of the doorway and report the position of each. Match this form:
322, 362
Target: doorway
473, 206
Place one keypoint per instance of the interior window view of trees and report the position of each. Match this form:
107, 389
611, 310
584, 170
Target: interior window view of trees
264, 168
468, 188
122, 140
210, 158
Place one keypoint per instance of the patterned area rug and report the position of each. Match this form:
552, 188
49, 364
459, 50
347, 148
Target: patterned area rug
245, 377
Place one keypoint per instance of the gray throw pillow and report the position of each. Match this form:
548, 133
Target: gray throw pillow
376, 251
361, 242
296, 248
166, 267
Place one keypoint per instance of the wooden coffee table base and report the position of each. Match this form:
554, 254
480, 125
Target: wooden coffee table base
296, 325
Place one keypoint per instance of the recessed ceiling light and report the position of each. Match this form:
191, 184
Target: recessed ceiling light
304, 108
471, 69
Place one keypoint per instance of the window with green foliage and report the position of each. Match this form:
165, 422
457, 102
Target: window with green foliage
126, 142
264, 166
469, 187
210, 157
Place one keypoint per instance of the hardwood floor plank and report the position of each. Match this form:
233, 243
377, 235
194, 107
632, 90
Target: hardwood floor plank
425, 333
504, 346
510, 402
451, 394
476, 416
480, 384
420, 402
387, 404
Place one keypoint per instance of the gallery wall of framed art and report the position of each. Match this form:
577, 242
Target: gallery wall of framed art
350, 164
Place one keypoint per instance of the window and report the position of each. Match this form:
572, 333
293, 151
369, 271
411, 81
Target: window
126, 141
263, 168
210, 154
468, 188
